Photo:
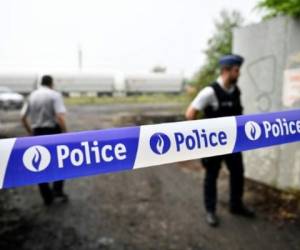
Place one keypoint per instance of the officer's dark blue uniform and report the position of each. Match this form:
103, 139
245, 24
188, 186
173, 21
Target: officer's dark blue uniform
229, 104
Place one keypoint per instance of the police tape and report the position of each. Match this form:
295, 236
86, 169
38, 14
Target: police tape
38, 159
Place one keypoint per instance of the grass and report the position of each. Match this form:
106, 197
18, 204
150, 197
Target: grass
143, 99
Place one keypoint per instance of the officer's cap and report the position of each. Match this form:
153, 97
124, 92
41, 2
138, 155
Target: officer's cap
231, 60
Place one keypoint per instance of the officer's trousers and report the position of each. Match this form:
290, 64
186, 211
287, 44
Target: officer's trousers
234, 163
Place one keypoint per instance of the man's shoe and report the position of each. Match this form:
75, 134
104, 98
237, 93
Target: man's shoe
212, 219
61, 197
48, 201
243, 211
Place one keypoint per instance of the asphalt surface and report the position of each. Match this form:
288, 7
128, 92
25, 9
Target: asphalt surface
153, 208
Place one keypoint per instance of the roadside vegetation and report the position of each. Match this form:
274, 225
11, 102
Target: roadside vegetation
143, 99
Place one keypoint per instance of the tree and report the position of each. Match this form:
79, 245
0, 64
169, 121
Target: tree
218, 45
279, 7
159, 69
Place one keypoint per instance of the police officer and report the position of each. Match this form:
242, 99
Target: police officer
222, 98
46, 112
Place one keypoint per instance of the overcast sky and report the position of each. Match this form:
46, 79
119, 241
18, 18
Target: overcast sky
120, 35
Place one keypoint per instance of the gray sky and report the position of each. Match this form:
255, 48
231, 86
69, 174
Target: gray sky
121, 35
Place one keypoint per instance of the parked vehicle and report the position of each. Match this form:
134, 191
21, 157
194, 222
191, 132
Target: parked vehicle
10, 99
22, 83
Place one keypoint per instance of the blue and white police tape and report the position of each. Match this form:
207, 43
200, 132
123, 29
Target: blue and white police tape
30, 160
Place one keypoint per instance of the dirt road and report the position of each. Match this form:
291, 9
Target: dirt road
155, 208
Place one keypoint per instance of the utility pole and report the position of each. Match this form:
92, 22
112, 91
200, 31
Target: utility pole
79, 57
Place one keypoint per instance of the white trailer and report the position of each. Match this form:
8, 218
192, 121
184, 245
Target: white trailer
84, 83
19, 82
153, 83
95, 83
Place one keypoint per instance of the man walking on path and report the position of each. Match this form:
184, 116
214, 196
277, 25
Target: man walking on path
46, 112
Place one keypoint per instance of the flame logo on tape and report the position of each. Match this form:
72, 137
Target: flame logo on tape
160, 143
36, 158
252, 130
